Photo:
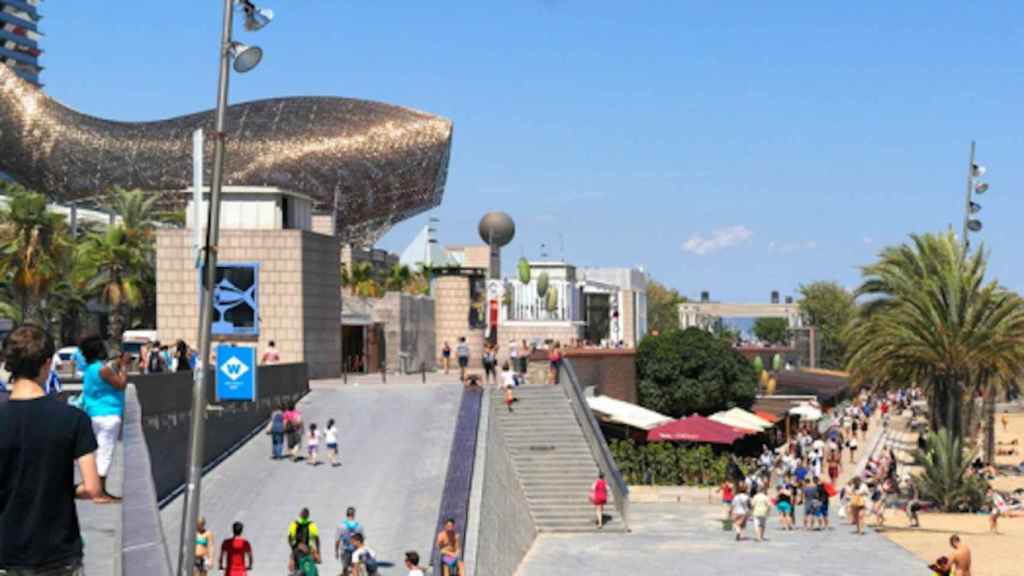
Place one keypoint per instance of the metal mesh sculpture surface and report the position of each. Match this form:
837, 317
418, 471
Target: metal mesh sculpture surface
381, 163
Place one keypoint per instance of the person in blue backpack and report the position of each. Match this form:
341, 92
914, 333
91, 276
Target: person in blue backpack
277, 433
343, 545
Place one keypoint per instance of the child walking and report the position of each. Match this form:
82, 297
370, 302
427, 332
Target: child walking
332, 443
313, 444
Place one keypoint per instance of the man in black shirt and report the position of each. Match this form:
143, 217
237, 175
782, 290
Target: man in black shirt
40, 440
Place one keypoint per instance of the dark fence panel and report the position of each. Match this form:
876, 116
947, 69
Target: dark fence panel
458, 484
166, 401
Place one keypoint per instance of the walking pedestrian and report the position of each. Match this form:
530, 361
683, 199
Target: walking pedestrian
313, 444
304, 541
852, 445
554, 362
276, 433
446, 356
449, 545
858, 504
760, 506
727, 495
524, 358
961, 556
412, 563
784, 504
293, 431
41, 440
271, 355
462, 351
490, 362
331, 438
740, 511
343, 546
204, 548
364, 560
599, 497
103, 400
811, 503
236, 553
182, 357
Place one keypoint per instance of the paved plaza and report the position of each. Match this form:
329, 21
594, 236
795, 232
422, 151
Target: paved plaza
101, 523
394, 441
687, 538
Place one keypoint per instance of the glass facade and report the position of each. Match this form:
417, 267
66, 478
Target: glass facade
19, 38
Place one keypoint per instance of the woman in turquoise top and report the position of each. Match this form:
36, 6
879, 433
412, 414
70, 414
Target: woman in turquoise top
103, 400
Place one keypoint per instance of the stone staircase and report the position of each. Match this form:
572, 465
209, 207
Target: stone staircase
552, 460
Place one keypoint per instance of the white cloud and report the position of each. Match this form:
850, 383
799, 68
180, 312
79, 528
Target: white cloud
720, 239
790, 247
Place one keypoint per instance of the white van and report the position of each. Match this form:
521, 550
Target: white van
132, 341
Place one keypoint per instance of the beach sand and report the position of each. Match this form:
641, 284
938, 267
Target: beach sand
994, 555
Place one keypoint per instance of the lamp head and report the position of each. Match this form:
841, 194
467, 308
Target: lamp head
974, 225
256, 18
975, 207
981, 188
978, 170
246, 57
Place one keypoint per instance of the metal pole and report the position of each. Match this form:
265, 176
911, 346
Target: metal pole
967, 203
195, 464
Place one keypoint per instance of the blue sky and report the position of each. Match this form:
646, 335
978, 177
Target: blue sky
735, 147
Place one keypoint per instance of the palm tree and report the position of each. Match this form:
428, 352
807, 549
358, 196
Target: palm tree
137, 211
398, 278
931, 319
116, 268
34, 248
944, 477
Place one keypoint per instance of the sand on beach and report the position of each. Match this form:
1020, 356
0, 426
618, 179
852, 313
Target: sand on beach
993, 554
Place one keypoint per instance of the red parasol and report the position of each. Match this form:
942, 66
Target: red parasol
695, 428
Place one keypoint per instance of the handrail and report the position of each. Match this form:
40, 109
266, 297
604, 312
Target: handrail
598, 446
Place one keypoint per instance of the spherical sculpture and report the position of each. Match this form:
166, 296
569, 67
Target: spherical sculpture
497, 228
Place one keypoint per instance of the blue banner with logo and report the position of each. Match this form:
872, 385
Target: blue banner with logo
236, 373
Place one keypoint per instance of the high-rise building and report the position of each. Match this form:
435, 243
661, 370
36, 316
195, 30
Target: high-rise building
19, 38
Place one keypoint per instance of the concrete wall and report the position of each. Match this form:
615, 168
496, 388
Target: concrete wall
451, 296
536, 333
299, 294
503, 530
611, 372
166, 401
409, 324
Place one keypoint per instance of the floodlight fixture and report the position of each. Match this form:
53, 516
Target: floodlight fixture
974, 225
246, 57
975, 208
981, 187
255, 18
978, 170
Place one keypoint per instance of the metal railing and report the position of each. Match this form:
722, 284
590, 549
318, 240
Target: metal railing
598, 446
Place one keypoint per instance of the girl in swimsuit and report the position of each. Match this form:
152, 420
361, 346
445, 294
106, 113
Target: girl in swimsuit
204, 549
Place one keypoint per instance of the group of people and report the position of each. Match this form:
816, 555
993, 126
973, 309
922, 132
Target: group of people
516, 365
158, 358
286, 425
235, 556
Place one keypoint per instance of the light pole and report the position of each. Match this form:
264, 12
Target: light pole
974, 186
245, 58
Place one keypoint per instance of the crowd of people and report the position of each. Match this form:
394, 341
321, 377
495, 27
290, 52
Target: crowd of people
235, 555
287, 427
517, 364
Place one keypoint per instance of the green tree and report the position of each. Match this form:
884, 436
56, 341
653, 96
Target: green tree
772, 330
398, 278
944, 477
662, 307
931, 318
34, 249
682, 372
829, 308
115, 268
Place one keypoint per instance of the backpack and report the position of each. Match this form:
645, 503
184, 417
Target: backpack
347, 530
156, 363
306, 566
370, 562
277, 423
301, 534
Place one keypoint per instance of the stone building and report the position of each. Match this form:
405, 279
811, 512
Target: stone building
266, 235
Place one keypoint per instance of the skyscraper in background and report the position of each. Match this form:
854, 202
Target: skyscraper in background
19, 38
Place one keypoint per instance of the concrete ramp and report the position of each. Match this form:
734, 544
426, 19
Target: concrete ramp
394, 442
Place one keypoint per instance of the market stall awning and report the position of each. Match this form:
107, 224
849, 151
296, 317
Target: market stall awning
613, 410
740, 418
695, 428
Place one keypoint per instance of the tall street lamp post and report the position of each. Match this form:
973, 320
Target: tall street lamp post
974, 186
245, 58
